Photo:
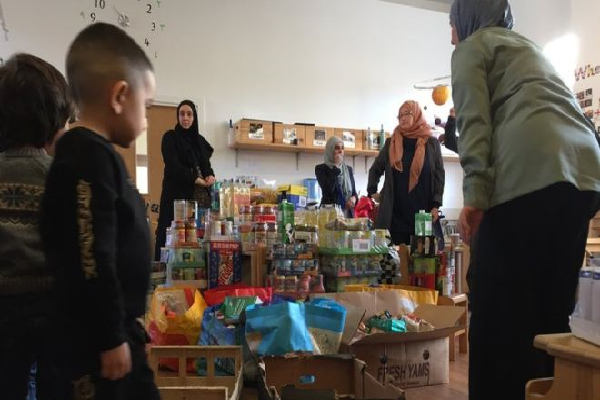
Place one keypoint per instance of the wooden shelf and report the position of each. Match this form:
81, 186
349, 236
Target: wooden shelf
278, 147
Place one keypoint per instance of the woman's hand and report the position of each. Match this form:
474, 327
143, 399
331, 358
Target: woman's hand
351, 203
435, 214
468, 223
210, 179
376, 197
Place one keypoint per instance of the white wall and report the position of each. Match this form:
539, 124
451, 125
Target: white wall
334, 62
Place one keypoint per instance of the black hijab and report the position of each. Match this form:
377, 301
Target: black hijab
192, 134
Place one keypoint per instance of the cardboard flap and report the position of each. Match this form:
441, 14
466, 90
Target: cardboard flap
440, 316
395, 337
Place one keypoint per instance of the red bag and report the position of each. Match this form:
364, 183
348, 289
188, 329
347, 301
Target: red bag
217, 295
366, 208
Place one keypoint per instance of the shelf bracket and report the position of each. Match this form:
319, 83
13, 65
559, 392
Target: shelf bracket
366, 164
237, 151
297, 161
354, 162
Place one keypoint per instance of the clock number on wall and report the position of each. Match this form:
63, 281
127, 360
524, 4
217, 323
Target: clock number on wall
101, 4
146, 42
93, 16
153, 26
149, 10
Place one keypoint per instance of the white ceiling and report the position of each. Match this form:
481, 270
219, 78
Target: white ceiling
433, 5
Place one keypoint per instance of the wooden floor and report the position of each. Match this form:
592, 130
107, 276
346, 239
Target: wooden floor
457, 389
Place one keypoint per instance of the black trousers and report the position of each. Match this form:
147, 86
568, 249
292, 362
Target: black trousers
79, 372
24, 339
528, 252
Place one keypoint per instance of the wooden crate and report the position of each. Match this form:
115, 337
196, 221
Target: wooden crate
189, 386
317, 136
353, 138
290, 135
251, 131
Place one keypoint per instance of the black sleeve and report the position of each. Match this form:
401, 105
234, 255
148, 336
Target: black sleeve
97, 194
205, 165
378, 168
439, 176
327, 178
173, 166
450, 135
353, 183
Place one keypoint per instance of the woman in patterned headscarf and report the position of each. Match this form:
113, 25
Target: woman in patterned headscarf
531, 185
414, 175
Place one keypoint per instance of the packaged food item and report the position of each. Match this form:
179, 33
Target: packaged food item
191, 232
179, 210
260, 234
178, 234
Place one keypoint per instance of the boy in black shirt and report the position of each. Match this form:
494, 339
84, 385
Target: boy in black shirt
94, 222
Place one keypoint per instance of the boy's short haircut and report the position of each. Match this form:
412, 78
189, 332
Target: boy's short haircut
35, 102
101, 55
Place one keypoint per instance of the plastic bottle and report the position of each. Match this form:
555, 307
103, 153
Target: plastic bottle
584, 295
285, 219
381, 138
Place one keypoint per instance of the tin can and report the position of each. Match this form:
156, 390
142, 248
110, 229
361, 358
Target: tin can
272, 234
260, 234
179, 210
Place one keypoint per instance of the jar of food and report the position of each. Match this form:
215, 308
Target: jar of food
260, 234
291, 283
245, 214
257, 212
279, 283
191, 210
179, 210
269, 214
177, 232
272, 234
191, 234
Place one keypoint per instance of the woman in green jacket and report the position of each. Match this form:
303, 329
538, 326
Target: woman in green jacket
531, 184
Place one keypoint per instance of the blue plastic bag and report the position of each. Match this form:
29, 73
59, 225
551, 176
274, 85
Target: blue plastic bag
295, 327
216, 333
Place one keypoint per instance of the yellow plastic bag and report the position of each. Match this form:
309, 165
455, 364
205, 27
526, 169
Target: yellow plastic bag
176, 312
416, 295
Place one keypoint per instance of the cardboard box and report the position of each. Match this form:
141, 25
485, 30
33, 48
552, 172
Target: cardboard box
224, 263
317, 136
290, 135
353, 138
405, 359
254, 131
320, 378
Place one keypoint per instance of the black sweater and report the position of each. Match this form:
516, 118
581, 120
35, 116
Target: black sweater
96, 239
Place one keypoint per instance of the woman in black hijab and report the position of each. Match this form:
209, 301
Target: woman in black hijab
188, 171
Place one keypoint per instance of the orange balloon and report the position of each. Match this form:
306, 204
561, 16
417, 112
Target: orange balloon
440, 94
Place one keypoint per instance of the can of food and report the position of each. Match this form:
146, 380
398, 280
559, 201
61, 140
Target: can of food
179, 210
291, 283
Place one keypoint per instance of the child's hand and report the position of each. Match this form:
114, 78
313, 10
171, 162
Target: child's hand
115, 363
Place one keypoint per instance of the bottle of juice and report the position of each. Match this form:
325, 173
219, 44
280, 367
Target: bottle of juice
285, 219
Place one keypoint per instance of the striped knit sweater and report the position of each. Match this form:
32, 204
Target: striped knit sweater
22, 179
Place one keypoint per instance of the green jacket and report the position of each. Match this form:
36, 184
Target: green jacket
520, 127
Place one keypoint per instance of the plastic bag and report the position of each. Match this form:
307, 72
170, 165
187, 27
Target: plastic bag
175, 318
216, 333
217, 295
295, 327
325, 320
